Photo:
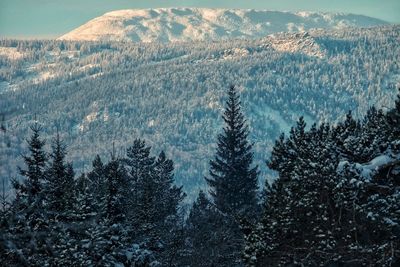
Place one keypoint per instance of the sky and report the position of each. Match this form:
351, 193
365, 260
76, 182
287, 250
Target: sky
44, 19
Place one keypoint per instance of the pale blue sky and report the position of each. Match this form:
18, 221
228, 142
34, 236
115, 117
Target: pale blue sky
52, 18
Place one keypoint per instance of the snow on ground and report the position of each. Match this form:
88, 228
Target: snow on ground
235, 53
50, 66
44, 76
4, 86
295, 43
11, 53
98, 112
199, 24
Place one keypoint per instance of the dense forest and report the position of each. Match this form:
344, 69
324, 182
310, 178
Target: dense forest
171, 94
335, 202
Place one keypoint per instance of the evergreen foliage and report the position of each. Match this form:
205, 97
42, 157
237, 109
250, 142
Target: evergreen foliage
27, 227
213, 238
171, 94
108, 217
32, 186
336, 201
233, 188
59, 188
233, 179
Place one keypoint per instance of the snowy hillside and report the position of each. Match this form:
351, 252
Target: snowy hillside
195, 24
172, 94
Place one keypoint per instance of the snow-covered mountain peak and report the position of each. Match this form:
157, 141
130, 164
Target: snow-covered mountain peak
205, 24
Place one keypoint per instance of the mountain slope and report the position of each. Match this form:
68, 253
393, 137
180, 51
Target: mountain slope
172, 95
195, 24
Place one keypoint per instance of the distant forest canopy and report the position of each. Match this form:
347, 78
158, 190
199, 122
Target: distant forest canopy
171, 95
335, 202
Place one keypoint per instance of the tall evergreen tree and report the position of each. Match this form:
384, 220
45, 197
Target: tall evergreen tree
85, 216
36, 164
169, 196
115, 191
233, 184
153, 201
27, 235
60, 181
107, 226
141, 184
233, 179
97, 184
211, 240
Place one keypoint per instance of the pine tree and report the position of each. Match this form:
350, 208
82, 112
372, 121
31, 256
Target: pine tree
85, 215
233, 183
199, 230
167, 215
347, 135
107, 225
97, 183
211, 240
85, 205
233, 180
60, 181
141, 184
115, 191
27, 235
169, 196
32, 186
59, 200
153, 201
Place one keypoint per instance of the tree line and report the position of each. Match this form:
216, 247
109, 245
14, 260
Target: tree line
335, 202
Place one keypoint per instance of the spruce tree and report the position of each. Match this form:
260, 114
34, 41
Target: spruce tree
141, 184
233, 179
27, 235
85, 215
97, 184
168, 195
35, 163
115, 191
60, 181
153, 201
109, 234
210, 238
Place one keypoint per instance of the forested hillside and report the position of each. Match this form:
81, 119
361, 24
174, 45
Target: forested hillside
335, 202
98, 93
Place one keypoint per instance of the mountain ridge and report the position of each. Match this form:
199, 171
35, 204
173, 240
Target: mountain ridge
202, 24
172, 94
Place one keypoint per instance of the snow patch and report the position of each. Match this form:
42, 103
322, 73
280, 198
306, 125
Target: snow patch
4, 86
367, 170
44, 76
235, 53
295, 43
204, 24
11, 53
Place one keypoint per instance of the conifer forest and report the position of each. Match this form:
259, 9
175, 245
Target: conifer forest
335, 202
281, 150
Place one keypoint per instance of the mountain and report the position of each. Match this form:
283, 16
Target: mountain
199, 24
172, 95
